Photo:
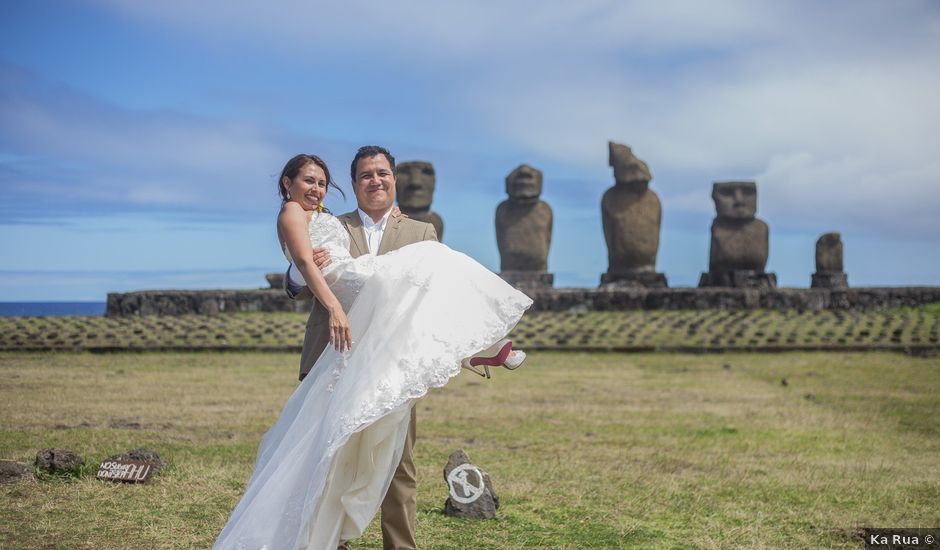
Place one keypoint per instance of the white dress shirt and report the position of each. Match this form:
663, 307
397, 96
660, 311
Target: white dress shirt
373, 230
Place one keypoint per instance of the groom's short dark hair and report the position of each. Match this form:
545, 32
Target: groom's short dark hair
367, 151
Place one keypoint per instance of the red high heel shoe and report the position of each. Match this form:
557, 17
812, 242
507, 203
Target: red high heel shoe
499, 354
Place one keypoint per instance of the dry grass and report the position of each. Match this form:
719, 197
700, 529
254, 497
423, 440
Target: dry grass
585, 450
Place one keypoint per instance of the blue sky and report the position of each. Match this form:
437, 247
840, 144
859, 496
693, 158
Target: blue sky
140, 141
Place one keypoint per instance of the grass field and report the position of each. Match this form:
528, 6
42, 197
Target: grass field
600, 450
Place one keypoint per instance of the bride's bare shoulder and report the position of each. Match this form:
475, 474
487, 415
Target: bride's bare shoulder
291, 206
293, 211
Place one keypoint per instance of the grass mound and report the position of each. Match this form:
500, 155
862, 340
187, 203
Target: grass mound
707, 330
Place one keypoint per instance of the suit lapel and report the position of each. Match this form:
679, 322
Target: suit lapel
357, 237
390, 236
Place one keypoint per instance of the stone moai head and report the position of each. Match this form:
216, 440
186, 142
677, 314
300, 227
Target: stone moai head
829, 253
524, 183
415, 183
628, 169
735, 200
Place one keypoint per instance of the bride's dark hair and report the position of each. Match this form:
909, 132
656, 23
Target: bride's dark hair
292, 168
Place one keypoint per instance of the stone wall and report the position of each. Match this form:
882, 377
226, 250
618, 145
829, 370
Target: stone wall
860, 299
208, 302
178, 302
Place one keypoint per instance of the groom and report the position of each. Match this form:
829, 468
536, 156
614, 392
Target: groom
372, 230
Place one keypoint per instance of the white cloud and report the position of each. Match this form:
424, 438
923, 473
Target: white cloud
467, 30
866, 196
73, 146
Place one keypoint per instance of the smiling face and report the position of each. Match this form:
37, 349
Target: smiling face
374, 185
735, 200
308, 187
415, 181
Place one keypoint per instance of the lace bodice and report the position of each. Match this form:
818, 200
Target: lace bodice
326, 230
345, 275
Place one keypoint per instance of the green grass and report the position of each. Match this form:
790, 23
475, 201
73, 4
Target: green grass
908, 329
586, 450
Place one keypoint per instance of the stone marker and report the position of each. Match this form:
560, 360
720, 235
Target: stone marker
469, 488
59, 461
415, 182
631, 214
740, 242
13, 472
133, 471
135, 466
829, 269
524, 230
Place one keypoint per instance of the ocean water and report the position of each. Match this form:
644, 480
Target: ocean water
50, 309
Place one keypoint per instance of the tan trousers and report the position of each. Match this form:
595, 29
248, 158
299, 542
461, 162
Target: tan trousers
400, 507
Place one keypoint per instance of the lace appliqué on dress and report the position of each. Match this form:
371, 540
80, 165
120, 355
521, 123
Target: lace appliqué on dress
336, 373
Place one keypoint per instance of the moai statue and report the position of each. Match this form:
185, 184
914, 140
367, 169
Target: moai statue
524, 230
415, 183
739, 244
631, 214
829, 270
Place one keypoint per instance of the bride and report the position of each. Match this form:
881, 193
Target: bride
400, 324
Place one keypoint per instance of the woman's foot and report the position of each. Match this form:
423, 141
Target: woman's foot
515, 359
499, 354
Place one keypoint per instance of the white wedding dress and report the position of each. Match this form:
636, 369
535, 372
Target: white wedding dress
323, 469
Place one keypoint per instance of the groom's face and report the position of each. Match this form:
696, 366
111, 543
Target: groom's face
374, 185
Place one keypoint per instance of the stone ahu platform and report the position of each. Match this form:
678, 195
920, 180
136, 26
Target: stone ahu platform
211, 302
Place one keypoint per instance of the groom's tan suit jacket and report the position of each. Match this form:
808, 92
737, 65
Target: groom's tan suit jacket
399, 232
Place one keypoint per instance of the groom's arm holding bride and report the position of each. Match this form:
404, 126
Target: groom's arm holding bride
294, 284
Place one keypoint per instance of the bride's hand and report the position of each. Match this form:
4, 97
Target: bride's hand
340, 335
